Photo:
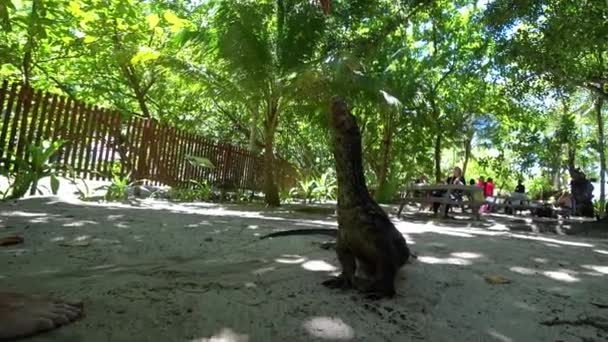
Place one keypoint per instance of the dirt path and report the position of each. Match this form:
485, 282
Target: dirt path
166, 272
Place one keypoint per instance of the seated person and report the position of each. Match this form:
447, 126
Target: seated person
520, 188
565, 201
519, 196
455, 178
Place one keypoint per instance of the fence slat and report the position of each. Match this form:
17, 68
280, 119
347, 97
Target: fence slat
12, 135
115, 125
161, 156
42, 117
12, 95
29, 136
84, 141
22, 141
69, 132
40, 102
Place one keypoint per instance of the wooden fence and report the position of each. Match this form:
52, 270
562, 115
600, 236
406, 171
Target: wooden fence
99, 141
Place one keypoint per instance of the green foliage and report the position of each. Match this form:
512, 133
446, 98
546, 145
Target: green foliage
539, 187
424, 78
387, 193
315, 189
200, 191
24, 175
118, 190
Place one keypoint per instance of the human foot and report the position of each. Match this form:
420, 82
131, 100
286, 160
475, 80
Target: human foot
25, 315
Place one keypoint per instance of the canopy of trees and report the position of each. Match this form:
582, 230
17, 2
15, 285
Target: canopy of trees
505, 88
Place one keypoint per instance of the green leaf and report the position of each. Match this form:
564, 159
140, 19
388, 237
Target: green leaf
153, 20
54, 184
145, 54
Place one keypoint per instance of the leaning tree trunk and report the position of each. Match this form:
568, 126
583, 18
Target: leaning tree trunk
600, 144
467, 154
387, 140
271, 191
438, 157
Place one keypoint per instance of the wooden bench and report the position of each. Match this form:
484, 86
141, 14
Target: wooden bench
473, 195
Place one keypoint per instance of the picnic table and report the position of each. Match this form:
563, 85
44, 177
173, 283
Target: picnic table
472, 196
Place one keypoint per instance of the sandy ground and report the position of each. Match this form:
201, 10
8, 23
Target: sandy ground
156, 271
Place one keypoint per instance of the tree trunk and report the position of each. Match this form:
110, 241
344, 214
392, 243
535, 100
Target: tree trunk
34, 22
253, 130
271, 191
600, 144
438, 177
571, 159
467, 154
387, 140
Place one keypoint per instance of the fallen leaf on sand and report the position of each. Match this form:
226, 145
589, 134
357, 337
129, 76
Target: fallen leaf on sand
11, 240
496, 280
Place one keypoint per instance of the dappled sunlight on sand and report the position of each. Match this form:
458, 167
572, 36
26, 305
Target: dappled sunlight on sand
444, 261
430, 227
18, 213
564, 275
525, 306
597, 268
81, 223
329, 328
467, 255
263, 270
225, 335
561, 276
102, 267
291, 259
550, 240
523, 270
499, 336
319, 266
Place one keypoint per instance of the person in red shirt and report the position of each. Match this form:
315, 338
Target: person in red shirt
488, 192
489, 188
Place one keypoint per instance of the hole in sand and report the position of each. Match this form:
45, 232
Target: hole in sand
226, 335
445, 261
329, 328
318, 266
